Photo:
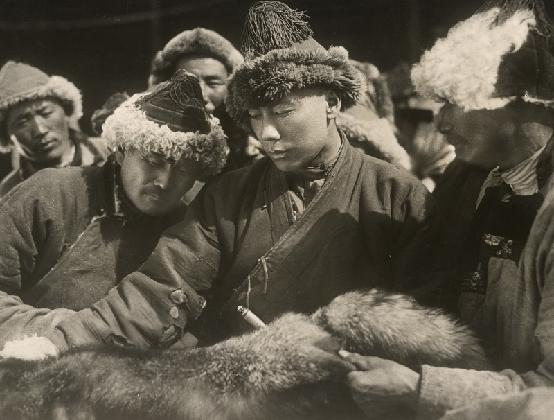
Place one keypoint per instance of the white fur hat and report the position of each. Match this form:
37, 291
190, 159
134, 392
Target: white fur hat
191, 42
170, 121
497, 55
21, 82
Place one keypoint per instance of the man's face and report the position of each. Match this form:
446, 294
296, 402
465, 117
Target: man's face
41, 127
294, 131
213, 78
480, 137
153, 184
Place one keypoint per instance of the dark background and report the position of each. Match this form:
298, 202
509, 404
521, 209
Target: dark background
105, 46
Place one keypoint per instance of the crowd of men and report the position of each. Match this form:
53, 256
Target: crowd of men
272, 179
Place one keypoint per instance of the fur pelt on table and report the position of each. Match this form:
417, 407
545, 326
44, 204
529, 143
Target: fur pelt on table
288, 370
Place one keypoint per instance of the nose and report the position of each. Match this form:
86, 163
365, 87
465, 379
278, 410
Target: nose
269, 132
39, 127
444, 119
163, 177
208, 104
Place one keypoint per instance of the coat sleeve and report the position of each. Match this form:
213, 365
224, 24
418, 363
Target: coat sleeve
32, 240
442, 388
411, 210
152, 306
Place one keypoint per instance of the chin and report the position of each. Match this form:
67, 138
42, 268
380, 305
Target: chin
287, 166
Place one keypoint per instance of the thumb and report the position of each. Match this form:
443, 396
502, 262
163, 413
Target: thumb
361, 362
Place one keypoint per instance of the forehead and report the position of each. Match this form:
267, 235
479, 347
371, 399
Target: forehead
30, 106
298, 97
184, 164
202, 66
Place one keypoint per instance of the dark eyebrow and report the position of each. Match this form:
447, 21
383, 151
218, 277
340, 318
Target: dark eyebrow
22, 116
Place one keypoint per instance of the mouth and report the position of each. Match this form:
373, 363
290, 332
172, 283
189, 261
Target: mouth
278, 155
455, 140
46, 145
153, 195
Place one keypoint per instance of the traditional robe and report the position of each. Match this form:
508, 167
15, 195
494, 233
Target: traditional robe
239, 244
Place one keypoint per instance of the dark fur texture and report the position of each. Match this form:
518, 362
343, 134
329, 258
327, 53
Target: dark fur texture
274, 75
288, 370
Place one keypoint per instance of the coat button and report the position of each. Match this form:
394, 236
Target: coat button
174, 312
178, 297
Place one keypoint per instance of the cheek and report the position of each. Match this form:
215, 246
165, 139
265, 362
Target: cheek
58, 123
217, 94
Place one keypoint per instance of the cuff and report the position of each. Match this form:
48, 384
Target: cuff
442, 389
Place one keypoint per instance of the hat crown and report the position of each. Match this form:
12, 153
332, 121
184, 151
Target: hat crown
177, 103
507, 8
17, 78
273, 25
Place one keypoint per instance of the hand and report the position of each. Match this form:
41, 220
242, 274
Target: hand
187, 342
380, 386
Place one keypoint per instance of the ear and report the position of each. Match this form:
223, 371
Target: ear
119, 156
333, 105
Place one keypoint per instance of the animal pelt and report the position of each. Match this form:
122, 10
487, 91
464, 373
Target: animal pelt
288, 370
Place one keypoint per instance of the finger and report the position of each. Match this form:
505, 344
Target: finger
361, 362
360, 381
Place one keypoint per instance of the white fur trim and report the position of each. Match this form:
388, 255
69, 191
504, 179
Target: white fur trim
57, 86
129, 128
190, 42
462, 68
29, 348
379, 134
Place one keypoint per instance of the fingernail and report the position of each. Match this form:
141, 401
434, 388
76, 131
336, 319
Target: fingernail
344, 353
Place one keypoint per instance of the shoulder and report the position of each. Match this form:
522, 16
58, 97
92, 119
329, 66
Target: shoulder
55, 186
240, 180
388, 177
9, 182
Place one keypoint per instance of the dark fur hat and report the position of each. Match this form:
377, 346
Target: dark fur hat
281, 56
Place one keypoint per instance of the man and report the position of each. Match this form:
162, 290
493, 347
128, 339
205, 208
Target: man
498, 113
69, 235
369, 125
212, 58
288, 233
39, 117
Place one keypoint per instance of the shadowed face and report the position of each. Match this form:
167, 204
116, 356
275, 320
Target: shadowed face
295, 132
481, 137
41, 127
153, 184
213, 78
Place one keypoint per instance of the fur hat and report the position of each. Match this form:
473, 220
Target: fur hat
195, 41
501, 53
171, 121
21, 82
281, 56
99, 116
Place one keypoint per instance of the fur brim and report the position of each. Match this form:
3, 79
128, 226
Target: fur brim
274, 75
129, 128
57, 87
192, 42
462, 68
379, 135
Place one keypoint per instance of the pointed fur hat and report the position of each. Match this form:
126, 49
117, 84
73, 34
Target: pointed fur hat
282, 56
170, 121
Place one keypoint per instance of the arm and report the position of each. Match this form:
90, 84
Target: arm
153, 305
443, 388
410, 221
32, 240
